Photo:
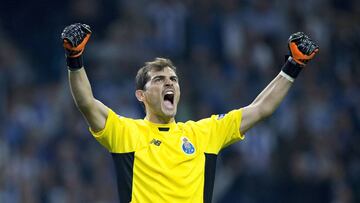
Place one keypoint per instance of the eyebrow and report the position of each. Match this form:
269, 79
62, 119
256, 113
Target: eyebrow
158, 76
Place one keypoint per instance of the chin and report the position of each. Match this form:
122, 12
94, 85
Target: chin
169, 113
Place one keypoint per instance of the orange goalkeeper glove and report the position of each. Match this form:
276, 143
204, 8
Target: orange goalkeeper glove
302, 50
74, 38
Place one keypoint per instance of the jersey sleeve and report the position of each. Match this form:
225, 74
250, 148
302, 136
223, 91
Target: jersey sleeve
116, 135
222, 130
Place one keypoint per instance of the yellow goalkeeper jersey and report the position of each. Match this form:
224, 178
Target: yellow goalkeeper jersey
167, 162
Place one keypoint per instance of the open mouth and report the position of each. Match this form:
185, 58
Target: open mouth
169, 100
169, 97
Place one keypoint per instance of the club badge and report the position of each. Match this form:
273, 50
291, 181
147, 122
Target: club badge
187, 146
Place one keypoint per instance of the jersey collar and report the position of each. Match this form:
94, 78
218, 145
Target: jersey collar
161, 127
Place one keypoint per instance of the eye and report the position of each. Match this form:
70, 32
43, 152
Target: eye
157, 79
174, 79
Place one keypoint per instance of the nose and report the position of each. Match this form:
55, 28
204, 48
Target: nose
168, 82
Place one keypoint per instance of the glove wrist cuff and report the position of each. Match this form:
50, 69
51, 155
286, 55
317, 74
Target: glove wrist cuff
291, 68
74, 63
287, 76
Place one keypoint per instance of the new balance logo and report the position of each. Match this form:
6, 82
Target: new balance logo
155, 142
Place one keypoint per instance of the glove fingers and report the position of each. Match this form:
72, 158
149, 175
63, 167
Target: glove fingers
85, 28
68, 34
298, 54
81, 46
302, 48
67, 44
296, 37
308, 57
78, 36
75, 36
313, 48
305, 44
308, 47
71, 35
70, 40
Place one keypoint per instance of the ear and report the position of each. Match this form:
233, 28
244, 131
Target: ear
140, 95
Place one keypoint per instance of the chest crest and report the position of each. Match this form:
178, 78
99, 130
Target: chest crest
186, 146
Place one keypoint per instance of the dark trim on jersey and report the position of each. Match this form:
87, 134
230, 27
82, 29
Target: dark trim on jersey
210, 168
164, 129
124, 163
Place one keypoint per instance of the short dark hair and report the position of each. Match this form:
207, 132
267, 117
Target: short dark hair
158, 64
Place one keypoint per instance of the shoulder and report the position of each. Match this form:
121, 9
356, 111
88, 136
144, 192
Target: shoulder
118, 119
214, 120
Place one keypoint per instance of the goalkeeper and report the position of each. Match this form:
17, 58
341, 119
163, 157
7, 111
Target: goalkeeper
156, 158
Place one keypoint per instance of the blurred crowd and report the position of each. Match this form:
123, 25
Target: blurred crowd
225, 51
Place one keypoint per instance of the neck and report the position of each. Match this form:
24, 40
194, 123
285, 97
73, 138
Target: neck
159, 119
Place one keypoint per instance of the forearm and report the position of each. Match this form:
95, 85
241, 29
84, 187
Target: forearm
75, 37
302, 49
81, 89
265, 103
270, 98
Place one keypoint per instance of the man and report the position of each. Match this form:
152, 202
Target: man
156, 158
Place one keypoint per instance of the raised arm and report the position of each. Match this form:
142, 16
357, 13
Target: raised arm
74, 39
302, 49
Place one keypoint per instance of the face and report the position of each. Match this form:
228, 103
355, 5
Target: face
161, 95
